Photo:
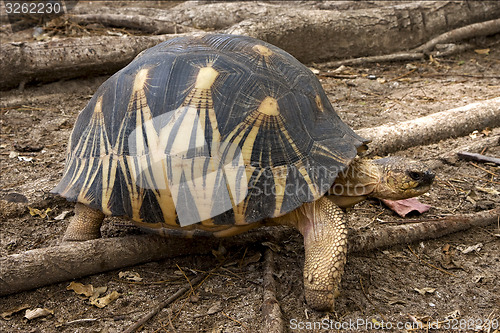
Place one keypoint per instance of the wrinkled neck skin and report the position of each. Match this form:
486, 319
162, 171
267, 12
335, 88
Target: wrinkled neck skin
359, 181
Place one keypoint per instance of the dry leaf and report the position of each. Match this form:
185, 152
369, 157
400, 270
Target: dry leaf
41, 213
37, 313
130, 276
103, 301
215, 308
395, 300
469, 249
7, 314
486, 131
406, 206
477, 278
482, 51
488, 190
425, 290
62, 216
452, 315
81, 289
474, 134
314, 70
220, 252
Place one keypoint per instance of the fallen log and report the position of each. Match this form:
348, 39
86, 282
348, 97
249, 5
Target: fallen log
70, 57
139, 22
205, 16
433, 128
320, 35
327, 33
473, 30
40, 267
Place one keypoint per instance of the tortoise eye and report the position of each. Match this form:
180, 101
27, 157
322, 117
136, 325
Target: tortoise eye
415, 175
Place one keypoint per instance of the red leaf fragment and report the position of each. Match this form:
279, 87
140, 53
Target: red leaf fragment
406, 206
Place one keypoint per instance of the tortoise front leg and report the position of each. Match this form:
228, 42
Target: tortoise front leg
325, 241
85, 225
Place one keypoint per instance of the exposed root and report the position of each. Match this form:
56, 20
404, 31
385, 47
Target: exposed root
271, 312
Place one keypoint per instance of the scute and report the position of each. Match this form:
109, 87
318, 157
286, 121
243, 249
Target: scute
216, 129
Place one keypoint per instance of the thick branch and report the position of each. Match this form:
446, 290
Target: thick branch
473, 30
326, 34
319, 35
433, 128
44, 266
424, 229
140, 22
39, 267
70, 57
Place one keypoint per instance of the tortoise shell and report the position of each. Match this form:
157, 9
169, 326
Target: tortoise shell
213, 130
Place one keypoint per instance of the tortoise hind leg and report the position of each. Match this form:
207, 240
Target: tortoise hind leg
325, 241
85, 225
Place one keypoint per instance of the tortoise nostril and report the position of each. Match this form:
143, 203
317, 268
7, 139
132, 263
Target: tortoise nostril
428, 177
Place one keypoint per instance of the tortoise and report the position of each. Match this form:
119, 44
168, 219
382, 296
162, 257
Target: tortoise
217, 134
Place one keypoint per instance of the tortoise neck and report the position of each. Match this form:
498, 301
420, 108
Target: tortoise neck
360, 179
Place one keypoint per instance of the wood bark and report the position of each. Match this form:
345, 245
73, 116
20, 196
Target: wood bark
70, 57
271, 311
39, 267
139, 22
316, 35
478, 157
215, 16
424, 229
309, 35
433, 128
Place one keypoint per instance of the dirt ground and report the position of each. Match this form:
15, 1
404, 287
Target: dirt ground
379, 289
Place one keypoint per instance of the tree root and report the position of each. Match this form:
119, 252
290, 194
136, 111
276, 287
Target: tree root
433, 128
469, 31
40, 267
273, 321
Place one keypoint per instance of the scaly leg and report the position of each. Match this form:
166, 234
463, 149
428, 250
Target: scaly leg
322, 223
85, 225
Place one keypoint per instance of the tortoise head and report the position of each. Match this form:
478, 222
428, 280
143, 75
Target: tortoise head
401, 178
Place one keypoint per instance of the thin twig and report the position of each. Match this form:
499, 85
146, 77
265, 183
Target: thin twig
161, 305
235, 320
402, 76
429, 264
185, 277
369, 300
478, 157
485, 170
